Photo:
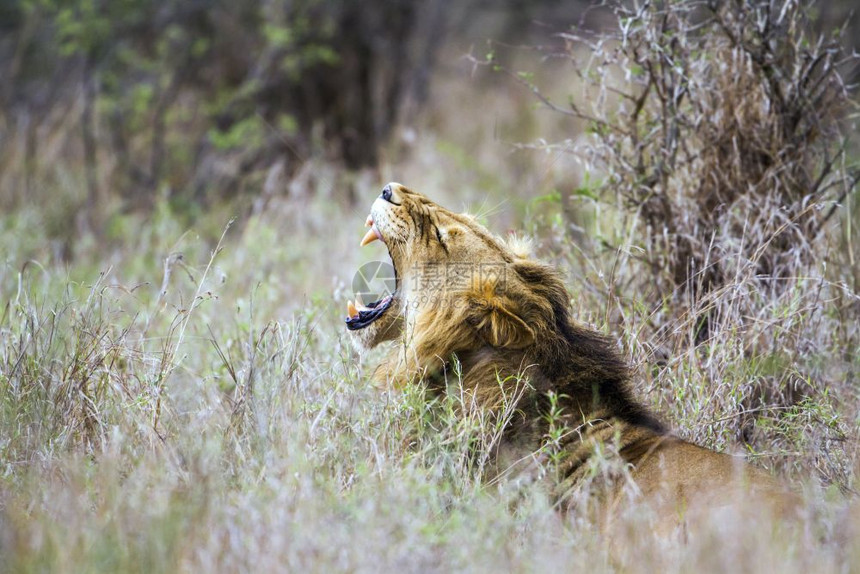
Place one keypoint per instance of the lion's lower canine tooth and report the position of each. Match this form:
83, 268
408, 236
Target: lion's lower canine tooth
350, 309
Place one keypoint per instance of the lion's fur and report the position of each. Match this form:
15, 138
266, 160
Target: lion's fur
507, 319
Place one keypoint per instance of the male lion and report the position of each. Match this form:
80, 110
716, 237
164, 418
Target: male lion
468, 298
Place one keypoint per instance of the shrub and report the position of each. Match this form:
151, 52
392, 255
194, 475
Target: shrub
718, 125
714, 131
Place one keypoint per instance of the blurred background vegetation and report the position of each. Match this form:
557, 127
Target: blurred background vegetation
205, 101
183, 185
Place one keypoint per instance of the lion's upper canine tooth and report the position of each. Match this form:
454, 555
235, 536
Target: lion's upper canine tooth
369, 221
350, 309
371, 235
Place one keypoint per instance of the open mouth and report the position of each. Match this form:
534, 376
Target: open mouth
360, 316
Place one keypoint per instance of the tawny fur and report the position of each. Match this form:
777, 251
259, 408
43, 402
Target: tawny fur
504, 318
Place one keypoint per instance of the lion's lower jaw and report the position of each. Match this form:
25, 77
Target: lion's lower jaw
387, 328
362, 341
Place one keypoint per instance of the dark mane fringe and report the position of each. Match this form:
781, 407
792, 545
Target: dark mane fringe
595, 375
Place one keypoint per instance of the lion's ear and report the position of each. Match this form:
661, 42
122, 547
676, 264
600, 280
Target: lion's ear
496, 319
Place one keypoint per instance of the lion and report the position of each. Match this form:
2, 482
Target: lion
468, 299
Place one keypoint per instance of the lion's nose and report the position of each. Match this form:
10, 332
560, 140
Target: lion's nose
386, 192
